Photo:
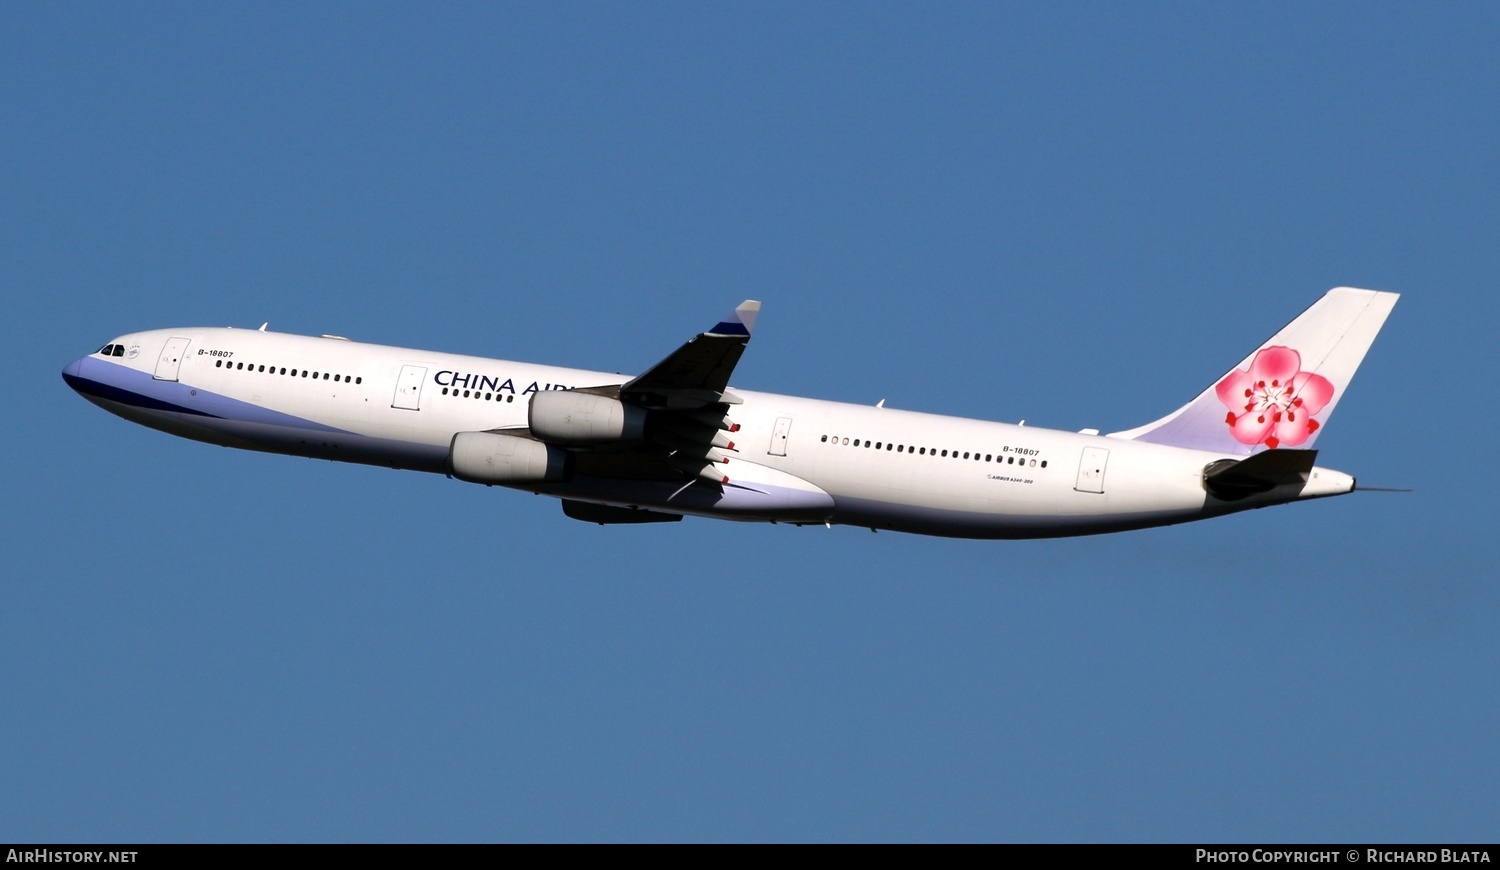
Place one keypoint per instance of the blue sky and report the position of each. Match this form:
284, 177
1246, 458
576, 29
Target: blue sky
1075, 214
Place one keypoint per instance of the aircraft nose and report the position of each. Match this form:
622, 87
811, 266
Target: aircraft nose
73, 372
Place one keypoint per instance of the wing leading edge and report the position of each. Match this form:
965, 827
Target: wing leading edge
696, 375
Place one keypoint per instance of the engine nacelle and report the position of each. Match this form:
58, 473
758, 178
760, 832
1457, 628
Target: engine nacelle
493, 458
566, 417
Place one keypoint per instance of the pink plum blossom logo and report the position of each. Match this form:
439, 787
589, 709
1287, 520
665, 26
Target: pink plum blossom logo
1273, 402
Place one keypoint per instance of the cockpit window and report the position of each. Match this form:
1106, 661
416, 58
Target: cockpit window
119, 350
106, 350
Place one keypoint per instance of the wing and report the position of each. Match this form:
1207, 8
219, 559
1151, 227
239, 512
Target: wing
669, 423
696, 375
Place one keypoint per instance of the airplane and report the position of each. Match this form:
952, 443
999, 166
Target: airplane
678, 440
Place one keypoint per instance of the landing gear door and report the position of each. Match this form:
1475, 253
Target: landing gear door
409, 388
171, 359
779, 436
1091, 470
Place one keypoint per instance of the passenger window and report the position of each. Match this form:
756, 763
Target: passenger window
358, 381
218, 363
1044, 463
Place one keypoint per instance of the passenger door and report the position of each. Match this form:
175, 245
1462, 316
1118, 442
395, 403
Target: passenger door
779, 436
409, 388
170, 360
1091, 470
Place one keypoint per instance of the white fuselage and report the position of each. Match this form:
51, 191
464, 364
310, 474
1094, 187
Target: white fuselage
800, 460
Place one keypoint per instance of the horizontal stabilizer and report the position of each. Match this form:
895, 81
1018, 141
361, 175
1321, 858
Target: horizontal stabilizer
608, 515
1231, 479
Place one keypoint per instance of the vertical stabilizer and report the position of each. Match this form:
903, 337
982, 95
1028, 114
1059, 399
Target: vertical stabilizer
1282, 394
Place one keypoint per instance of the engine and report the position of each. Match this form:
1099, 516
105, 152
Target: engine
566, 417
493, 458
